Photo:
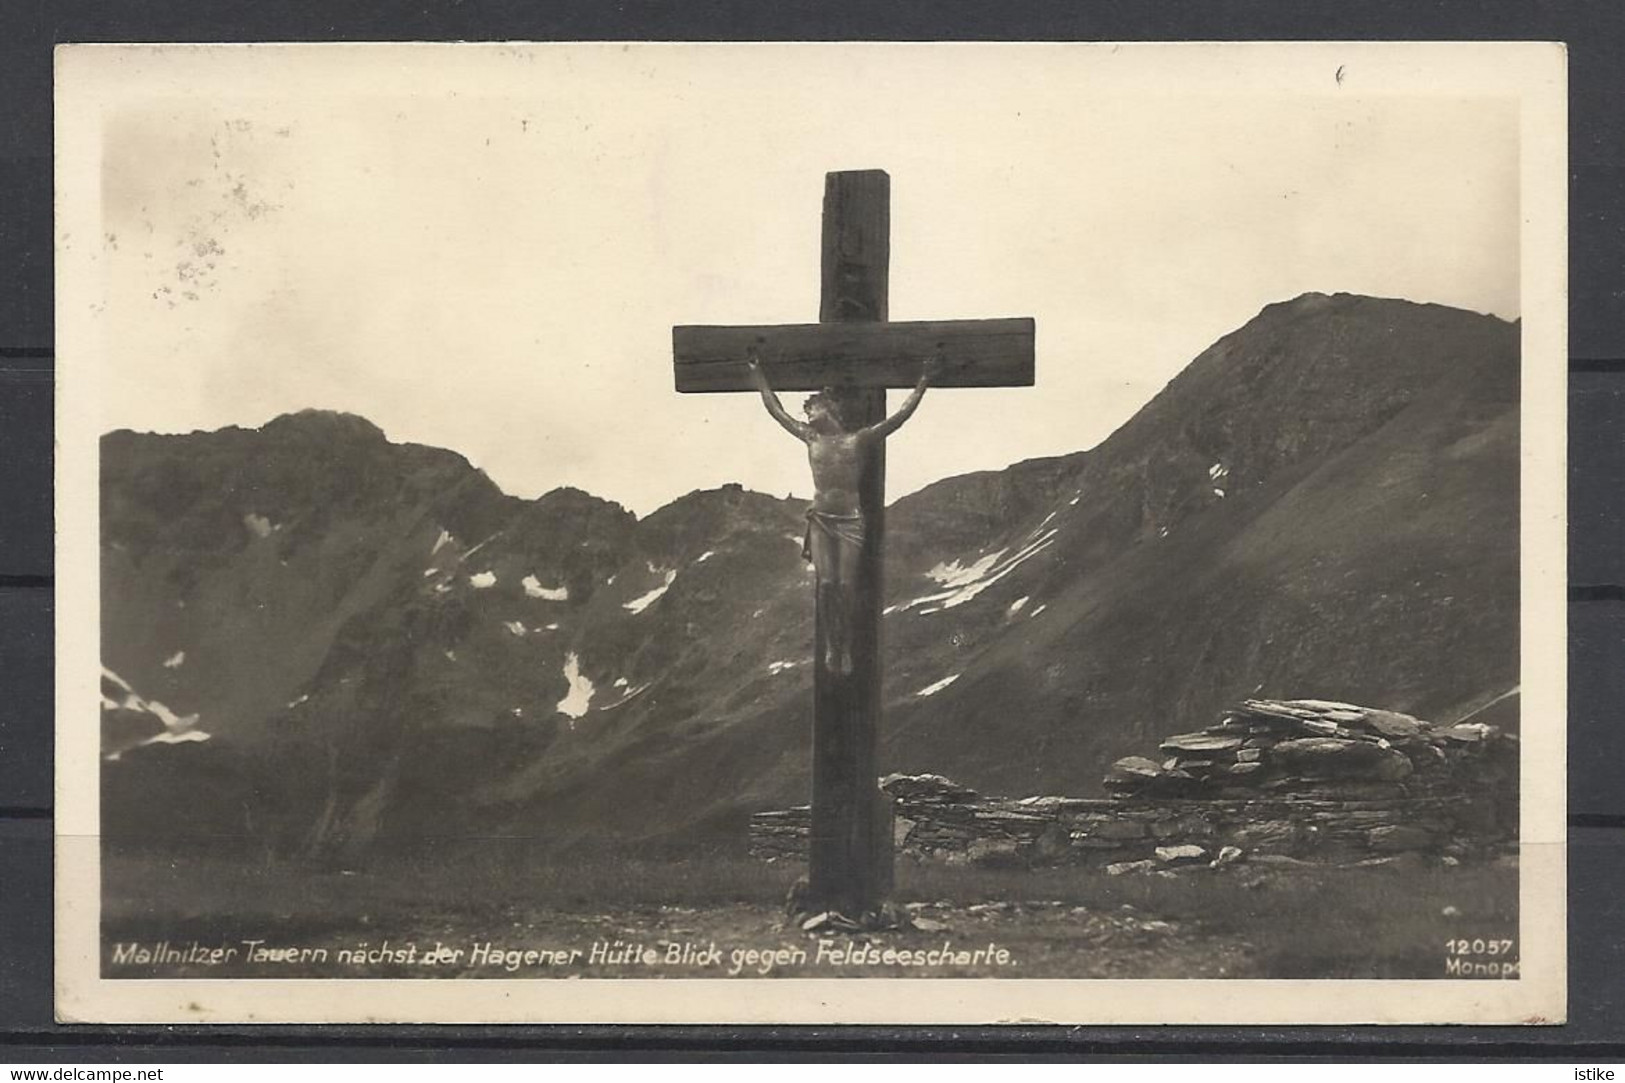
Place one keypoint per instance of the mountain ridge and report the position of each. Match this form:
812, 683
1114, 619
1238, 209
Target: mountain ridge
1325, 494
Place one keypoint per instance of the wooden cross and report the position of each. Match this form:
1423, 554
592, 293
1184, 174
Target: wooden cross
853, 348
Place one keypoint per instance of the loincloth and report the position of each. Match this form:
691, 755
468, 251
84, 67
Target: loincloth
837, 529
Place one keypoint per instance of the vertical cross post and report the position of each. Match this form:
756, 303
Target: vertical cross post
850, 863
856, 352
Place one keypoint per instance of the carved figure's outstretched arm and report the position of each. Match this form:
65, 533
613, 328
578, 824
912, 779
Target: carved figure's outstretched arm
904, 412
799, 429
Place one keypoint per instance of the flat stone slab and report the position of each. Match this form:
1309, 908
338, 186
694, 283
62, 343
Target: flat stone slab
1201, 742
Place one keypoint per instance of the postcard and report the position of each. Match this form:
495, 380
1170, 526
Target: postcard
784, 532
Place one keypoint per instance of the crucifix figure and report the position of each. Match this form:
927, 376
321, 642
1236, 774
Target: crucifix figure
836, 451
850, 357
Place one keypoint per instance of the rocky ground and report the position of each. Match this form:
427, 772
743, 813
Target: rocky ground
723, 920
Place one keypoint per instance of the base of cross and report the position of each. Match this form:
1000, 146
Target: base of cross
848, 885
888, 916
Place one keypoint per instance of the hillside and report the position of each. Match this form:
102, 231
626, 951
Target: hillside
384, 648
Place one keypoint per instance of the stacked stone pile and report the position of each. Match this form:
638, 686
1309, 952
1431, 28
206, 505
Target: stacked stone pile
1318, 783
938, 818
781, 833
1307, 745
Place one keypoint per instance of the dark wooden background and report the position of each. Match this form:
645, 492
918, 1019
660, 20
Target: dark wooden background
1595, 31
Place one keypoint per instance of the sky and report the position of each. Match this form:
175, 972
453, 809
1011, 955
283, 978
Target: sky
488, 255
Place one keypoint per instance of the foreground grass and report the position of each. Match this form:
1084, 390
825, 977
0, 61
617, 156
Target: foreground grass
477, 883
1306, 923
1299, 923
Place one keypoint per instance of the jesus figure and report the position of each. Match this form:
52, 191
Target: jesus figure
835, 526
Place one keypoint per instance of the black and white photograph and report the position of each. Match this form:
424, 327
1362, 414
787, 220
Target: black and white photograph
637, 532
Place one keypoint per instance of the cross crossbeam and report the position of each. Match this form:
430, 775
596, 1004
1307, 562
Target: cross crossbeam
810, 356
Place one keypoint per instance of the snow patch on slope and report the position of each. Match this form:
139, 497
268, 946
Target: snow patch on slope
483, 580
967, 581
954, 574
534, 589
933, 689
482, 545
181, 738
578, 700
626, 694
174, 725
644, 601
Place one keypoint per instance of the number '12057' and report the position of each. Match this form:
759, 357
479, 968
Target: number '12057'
1479, 946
